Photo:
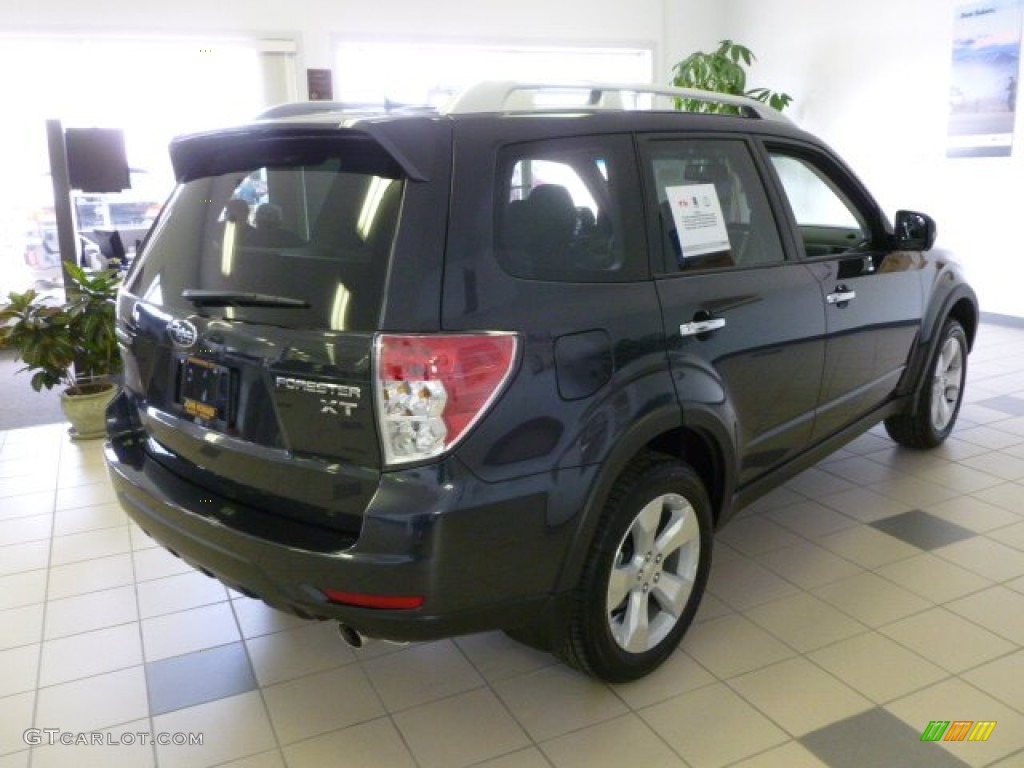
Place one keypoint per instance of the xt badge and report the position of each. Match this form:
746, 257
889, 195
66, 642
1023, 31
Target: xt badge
337, 398
336, 407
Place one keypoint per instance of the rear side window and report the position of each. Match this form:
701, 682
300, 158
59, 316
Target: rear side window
303, 245
562, 214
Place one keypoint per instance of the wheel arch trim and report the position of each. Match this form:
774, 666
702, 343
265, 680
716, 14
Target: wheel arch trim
663, 428
960, 303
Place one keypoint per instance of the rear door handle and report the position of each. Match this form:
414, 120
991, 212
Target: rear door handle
841, 296
701, 326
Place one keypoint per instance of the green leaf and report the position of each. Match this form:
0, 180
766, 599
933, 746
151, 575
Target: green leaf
722, 71
53, 338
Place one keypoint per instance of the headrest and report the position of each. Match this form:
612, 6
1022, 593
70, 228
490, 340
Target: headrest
551, 195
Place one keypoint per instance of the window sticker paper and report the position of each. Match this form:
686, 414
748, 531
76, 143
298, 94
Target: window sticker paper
697, 214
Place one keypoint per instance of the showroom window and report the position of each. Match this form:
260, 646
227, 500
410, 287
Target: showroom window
153, 89
422, 73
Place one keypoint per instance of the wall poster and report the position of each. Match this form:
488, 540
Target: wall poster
983, 91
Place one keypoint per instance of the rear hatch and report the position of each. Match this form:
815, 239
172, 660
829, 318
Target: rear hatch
249, 319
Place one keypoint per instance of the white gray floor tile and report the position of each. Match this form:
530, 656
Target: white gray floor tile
868, 597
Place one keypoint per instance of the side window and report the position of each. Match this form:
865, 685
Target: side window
712, 210
829, 221
559, 211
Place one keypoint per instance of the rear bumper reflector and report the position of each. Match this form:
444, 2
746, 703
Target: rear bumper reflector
390, 602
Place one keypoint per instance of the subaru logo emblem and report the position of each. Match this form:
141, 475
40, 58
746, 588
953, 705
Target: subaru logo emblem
182, 333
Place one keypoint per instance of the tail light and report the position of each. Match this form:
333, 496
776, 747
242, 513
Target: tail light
432, 389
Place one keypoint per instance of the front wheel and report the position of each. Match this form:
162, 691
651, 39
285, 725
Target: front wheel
646, 573
933, 417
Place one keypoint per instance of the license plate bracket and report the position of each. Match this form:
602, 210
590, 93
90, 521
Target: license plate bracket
205, 390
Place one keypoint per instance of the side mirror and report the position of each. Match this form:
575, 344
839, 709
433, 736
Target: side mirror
914, 231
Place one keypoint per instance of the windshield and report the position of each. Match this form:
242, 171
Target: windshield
311, 241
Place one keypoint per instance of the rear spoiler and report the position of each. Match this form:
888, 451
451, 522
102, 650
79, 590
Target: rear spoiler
392, 149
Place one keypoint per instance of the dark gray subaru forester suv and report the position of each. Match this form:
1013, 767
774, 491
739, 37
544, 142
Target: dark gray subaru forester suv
509, 366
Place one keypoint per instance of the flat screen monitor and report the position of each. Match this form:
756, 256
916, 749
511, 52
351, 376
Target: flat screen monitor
97, 160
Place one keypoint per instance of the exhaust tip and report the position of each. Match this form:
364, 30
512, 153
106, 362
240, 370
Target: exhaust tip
352, 638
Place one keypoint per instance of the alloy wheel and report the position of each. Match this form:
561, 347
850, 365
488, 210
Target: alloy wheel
653, 573
947, 383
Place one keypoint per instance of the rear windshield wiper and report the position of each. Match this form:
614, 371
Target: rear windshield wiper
209, 298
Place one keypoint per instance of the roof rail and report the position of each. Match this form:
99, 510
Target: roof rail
301, 108
512, 96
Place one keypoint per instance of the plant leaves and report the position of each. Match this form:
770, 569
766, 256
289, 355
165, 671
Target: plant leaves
53, 338
722, 71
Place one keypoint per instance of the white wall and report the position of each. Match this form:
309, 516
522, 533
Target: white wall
873, 80
689, 25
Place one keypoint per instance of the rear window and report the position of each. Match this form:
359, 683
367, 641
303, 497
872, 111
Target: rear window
302, 245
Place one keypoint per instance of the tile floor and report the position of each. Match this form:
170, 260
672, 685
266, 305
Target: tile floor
872, 595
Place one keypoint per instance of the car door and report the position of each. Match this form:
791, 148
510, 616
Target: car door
744, 325
872, 292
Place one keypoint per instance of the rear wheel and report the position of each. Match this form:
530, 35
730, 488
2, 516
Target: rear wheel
933, 417
646, 573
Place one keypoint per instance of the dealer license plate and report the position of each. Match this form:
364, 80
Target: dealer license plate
205, 389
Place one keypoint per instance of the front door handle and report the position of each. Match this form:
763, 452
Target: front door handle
841, 296
701, 326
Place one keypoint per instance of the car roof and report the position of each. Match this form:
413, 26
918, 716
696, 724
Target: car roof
541, 110
513, 97
615, 106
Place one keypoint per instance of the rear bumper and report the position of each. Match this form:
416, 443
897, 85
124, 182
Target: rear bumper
481, 559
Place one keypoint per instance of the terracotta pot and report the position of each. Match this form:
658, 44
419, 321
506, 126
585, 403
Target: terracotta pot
87, 413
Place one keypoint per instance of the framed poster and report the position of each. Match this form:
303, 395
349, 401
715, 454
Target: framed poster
983, 89
319, 84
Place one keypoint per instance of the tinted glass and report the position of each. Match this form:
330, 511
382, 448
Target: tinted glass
560, 213
312, 238
815, 200
711, 206
828, 220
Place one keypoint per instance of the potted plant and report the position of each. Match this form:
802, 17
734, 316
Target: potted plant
722, 71
71, 344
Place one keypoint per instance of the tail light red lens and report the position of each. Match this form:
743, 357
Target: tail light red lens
432, 388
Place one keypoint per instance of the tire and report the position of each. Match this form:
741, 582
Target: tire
933, 417
645, 575
530, 635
